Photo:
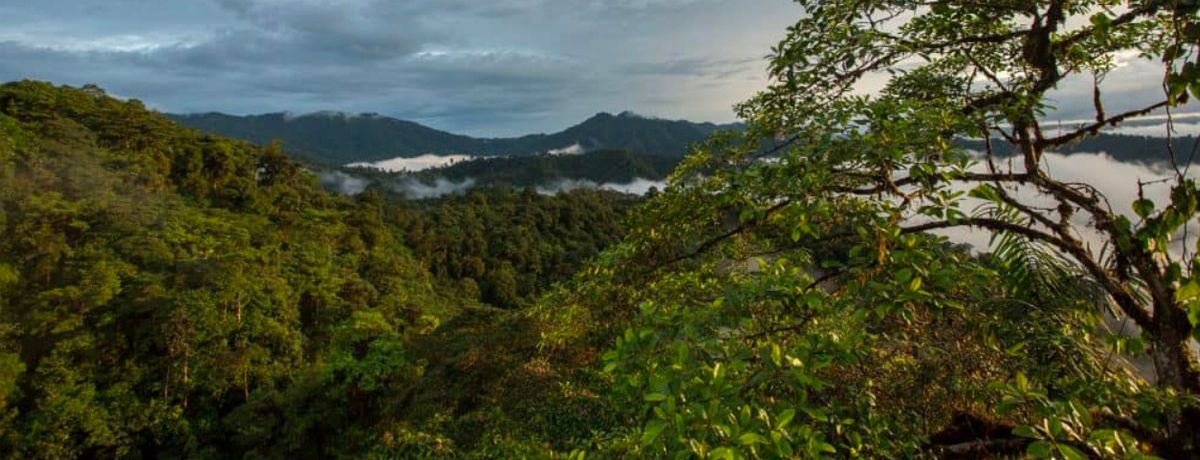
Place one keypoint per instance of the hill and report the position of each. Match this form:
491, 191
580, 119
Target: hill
337, 138
171, 294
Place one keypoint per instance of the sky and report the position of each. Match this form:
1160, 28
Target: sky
481, 67
478, 67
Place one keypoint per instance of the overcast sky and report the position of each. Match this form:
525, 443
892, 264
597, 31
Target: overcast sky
482, 67
485, 67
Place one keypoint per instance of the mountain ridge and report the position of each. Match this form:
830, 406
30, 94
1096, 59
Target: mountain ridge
342, 138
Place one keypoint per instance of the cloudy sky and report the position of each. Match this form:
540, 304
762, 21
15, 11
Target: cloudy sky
484, 67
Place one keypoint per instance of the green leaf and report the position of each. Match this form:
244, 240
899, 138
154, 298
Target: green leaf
785, 418
722, 453
1188, 291
655, 397
827, 448
985, 192
1194, 316
783, 448
1143, 208
750, 439
1026, 431
653, 429
1039, 449
1071, 453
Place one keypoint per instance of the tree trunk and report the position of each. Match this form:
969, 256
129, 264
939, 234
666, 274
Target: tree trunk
1174, 365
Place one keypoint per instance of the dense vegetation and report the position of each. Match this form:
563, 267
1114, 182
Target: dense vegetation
739, 340
505, 245
338, 139
169, 294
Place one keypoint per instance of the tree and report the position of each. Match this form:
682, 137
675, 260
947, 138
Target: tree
870, 175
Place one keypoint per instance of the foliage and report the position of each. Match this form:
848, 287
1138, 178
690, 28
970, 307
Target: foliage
168, 294
511, 244
799, 307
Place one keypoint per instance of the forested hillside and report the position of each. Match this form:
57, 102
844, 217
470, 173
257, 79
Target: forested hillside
506, 244
168, 294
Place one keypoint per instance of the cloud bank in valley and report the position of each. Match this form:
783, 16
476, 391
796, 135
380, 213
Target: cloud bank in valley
1118, 181
638, 186
413, 164
573, 149
416, 189
350, 185
345, 184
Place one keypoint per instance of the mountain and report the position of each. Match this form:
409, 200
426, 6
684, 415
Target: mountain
625, 131
339, 138
333, 137
1124, 148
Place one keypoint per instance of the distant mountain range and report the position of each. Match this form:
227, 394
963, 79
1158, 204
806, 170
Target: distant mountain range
336, 138
1122, 147
339, 138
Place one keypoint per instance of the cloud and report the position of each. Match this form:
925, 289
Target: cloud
695, 67
413, 164
1158, 130
353, 29
416, 189
343, 183
1117, 181
486, 68
638, 186
573, 149
1133, 84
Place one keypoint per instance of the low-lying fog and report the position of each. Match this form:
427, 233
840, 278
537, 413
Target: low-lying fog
349, 184
414, 164
639, 186
430, 161
1118, 181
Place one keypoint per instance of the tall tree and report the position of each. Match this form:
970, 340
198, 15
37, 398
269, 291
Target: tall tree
859, 182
